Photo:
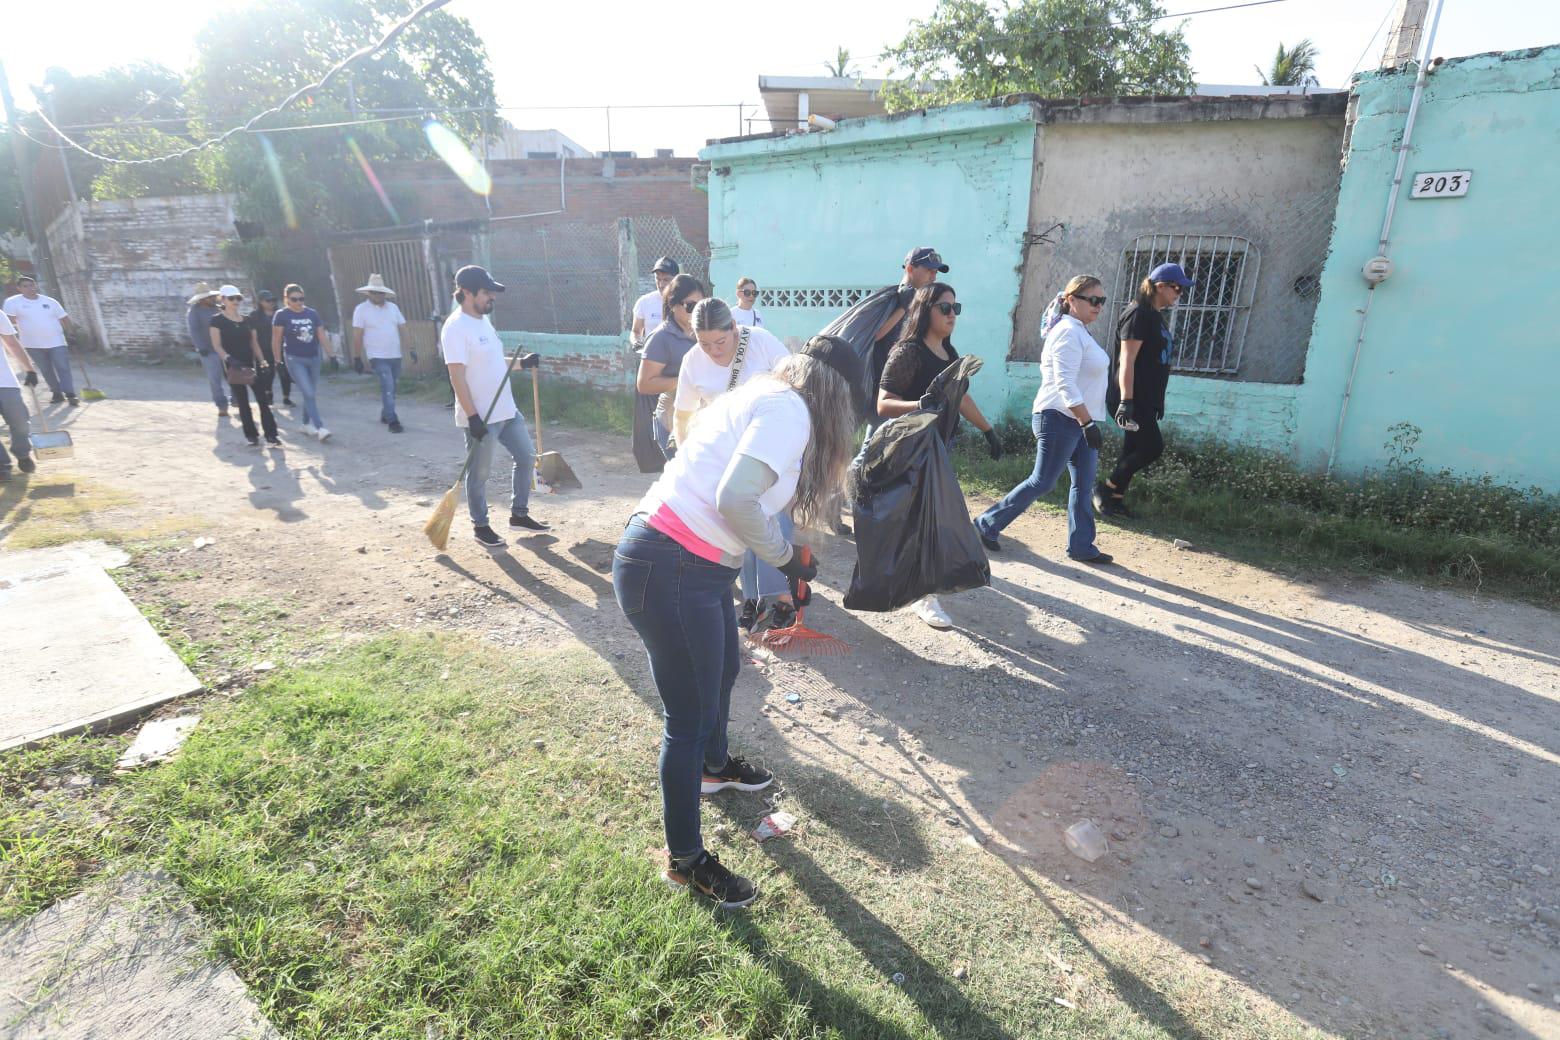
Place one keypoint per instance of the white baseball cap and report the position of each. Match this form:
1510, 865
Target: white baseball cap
229, 290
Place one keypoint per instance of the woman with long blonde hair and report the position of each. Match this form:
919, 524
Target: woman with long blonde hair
781, 441
1073, 372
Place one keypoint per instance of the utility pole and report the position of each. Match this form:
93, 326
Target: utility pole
1403, 38
35, 231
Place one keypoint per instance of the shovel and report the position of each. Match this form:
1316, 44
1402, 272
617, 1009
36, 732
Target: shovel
550, 467
49, 445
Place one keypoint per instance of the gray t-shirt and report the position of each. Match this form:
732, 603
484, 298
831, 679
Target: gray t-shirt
668, 344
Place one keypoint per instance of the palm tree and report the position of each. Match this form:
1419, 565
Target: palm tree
1292, 67
840, 68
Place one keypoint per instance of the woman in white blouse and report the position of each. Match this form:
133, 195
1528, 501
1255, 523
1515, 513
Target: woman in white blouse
1074, 372
745, 310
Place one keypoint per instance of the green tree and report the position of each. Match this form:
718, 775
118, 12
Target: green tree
250, 60
840, 68
1292, 66
966, 51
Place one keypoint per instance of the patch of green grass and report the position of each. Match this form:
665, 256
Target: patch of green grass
382, 852
572, 404
1404, 523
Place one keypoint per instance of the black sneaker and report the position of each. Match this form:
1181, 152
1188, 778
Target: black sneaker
288, 402
988, 540
527, 521
779, 615
26, 464
487, 537
254, 442
1107, 503
749, 616
396, 427
275, 442
73, 402
738, 774
708, 878
1097, 560
56, 398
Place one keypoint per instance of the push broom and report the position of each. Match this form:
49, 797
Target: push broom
438, 526
799, 639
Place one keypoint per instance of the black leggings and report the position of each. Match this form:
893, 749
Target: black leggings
1139, 450
262, 390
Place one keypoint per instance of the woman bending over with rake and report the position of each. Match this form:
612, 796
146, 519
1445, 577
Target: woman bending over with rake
780, 442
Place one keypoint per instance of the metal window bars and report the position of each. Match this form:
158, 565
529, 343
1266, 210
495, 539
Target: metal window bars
1209, 324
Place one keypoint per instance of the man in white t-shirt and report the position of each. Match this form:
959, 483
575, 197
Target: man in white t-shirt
647, 309
484, 405
12, 408
376, 336
40, 324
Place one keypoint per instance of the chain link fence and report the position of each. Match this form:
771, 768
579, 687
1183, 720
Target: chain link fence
1257, 261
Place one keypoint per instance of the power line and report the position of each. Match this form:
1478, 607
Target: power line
1391, 6
248, 127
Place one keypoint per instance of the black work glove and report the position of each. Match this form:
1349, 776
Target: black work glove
1124, 414
335, 364
993, 445
357, 365
802, 566
1091, 433
31, 379
1160, 414
477, 427
530, 360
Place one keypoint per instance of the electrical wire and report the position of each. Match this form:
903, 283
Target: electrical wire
248, 127
1391, 6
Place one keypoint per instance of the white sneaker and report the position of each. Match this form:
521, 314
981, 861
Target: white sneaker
306, 429
322, 433
929, 610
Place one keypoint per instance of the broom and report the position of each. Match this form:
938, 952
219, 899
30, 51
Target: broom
799, 639
91, 393
438, 526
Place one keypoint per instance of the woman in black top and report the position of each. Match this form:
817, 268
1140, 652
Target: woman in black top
234, 339
1137, 395
924, 350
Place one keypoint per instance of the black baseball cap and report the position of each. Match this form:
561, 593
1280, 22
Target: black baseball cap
926, 256
265, 294
473, 278
838, 355
666, 264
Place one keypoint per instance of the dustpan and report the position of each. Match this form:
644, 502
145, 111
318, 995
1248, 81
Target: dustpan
550, 467
50, 444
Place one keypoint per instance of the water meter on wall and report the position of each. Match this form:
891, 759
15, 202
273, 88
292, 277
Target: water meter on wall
1377, 270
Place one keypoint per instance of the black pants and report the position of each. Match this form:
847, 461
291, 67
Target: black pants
1139, 450
262, 389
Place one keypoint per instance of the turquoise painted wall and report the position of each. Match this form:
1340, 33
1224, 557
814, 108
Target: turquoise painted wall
1460, 339
841, 209
598, 360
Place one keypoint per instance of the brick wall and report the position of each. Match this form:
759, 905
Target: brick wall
126, 266
603, 361
594, 190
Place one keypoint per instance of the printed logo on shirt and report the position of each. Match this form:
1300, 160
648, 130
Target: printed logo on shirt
1166, 354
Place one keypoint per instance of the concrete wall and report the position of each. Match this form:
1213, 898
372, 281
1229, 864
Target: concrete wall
1265, 172
126, 266
602, 361
839, 210
1460, 341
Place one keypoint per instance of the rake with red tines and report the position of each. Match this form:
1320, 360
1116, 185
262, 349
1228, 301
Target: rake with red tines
798, 639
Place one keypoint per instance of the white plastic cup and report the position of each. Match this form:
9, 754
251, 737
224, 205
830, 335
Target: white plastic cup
1085, 841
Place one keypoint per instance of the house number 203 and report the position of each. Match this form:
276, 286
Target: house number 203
1451, 184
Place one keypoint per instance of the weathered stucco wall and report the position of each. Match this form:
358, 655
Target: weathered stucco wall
597, 360
1459, 340
126, 266
840, 210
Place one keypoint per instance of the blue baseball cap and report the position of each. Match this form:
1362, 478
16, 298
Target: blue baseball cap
926, 256
1171, 273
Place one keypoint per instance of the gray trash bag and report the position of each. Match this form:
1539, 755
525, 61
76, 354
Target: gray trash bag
913, 531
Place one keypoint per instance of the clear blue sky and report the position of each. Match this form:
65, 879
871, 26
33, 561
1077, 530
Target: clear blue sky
593, 53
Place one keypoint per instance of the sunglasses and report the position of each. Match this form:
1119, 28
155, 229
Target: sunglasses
296, 299
747, 292
1179, 289
947, 309
238, 299
689, 305
1098, 301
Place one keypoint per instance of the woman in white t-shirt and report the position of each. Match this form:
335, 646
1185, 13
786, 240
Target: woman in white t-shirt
781, 442
745, 310
1074, 371
728, 356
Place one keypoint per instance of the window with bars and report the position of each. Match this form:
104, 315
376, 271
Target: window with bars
1208, 325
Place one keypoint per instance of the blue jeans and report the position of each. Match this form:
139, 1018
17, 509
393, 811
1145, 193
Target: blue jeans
306, 377
54, 363
14, 411
211, 361
388, 370
758, 578
1059, 444
681, 607
516, 439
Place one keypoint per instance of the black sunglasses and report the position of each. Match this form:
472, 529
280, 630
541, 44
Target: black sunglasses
1098, 301
690, 305
296, 299
945, 309
747, 292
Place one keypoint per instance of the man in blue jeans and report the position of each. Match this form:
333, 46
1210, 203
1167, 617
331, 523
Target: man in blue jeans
484, 404
203, 307
376, 336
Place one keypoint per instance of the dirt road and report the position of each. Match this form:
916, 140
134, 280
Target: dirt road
1344, 795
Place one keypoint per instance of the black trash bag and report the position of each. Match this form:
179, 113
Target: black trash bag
913, 532
647, 453
858, 327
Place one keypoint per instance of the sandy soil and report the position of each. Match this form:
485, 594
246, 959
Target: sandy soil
1343, 794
